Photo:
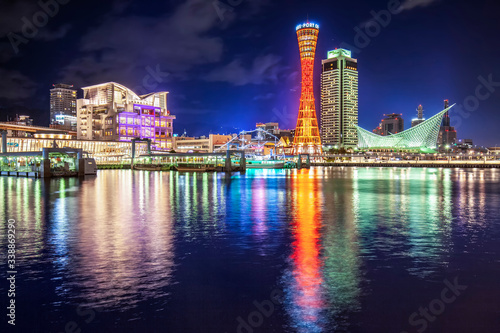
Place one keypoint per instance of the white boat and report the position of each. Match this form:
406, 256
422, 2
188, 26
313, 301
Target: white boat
265, 164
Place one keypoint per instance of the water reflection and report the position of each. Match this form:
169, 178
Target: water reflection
304, 282
21, 200
406, 213
341, 255
329, 235
121, 240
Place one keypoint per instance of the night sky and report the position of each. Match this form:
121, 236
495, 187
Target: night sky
233, 63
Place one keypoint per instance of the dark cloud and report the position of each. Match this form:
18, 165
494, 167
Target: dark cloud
122, 48
50, 35
17, 86
411, 4
15, 14
6, 52
12, 12
265, 69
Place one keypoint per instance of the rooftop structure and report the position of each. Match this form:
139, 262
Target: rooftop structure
420, 116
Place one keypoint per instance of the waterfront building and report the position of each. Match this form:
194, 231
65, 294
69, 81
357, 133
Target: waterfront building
421, 138
201, 144
112, 112
102, 151
420, 116
307, 138
339, 99
62, 101
65, 122
447, 133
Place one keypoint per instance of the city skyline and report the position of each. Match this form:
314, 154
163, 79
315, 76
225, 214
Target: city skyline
261, 82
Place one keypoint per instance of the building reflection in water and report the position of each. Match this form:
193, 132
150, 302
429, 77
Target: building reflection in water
337, 227
109, 240
303, 283
259, 210
473, 200
22, 200
406, 213
341, 254
124, 252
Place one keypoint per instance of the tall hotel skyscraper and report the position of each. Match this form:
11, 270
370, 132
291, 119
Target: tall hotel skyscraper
339, 99
62, 101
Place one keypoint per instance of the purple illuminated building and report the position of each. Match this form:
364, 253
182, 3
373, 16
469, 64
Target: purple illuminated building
110, 111
146, 122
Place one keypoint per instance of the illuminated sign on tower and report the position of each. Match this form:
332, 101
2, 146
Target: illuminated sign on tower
307, 139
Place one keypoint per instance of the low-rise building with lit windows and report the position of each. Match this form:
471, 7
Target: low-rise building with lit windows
201, 144
103, 152
112, 112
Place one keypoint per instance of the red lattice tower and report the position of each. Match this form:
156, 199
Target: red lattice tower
307, 139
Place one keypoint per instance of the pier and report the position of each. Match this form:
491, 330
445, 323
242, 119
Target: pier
49, 162
228, 161
415, 164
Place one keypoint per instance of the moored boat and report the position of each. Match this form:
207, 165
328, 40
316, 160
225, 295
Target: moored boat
265, 164
147, 167
186, 167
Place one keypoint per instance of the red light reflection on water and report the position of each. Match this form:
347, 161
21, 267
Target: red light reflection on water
307, 279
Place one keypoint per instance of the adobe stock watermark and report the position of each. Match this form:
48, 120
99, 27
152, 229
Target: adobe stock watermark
221, 8
11, 271
263, 310
483, 91
373, 27
151, 80
426, 315
29, 29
